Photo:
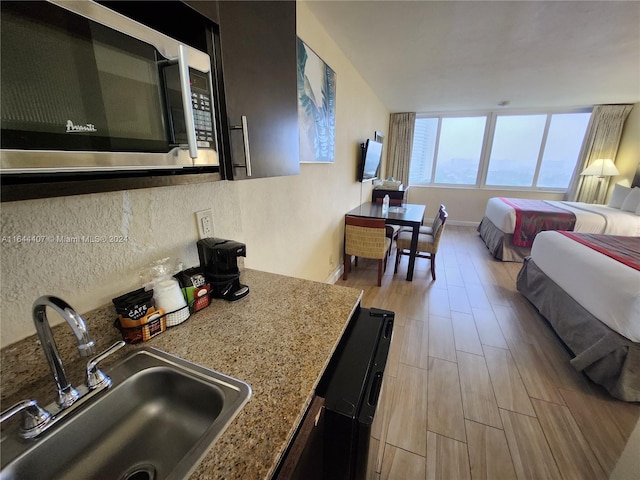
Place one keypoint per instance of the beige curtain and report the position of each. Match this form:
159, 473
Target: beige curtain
400, 145
601, 141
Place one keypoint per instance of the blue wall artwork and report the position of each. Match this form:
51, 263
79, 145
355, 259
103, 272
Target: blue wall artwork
316, 107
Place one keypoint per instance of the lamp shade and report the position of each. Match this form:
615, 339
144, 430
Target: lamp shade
602, 167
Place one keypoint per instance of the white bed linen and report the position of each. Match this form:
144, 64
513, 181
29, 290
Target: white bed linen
589, 218
608, 289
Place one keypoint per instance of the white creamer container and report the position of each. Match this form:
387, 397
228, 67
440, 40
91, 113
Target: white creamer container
168, 296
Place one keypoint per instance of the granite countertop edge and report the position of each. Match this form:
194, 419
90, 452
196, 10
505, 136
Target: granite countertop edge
279, 339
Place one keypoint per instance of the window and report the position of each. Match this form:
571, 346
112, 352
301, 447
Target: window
515, 150
425, 134
459, 150
538, 150
562, 148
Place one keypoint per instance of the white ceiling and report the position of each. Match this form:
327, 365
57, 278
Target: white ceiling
428, 56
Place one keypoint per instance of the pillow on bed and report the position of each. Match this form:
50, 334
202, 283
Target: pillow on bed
620, 192
632, 201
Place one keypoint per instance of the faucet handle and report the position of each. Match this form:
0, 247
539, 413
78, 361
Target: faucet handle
34, 417
95, 377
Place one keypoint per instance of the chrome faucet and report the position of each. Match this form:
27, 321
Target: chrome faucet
67, 395
36, 420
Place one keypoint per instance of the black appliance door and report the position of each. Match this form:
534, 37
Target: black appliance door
69, 83
352, 394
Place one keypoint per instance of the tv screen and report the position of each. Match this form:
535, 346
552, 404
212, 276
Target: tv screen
371, 157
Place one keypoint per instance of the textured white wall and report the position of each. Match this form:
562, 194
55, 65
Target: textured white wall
156, 223
291, 225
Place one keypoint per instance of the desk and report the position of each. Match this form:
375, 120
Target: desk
408, 215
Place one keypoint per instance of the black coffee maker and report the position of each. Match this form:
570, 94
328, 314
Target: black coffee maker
219, 260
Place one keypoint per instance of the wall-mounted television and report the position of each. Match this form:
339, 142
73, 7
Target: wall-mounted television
370, 163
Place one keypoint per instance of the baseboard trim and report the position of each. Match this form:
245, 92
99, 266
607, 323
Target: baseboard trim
462, 223
335, 275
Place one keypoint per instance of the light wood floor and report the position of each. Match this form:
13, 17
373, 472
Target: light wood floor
477, 385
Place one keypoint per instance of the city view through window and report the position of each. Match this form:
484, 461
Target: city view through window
527, 151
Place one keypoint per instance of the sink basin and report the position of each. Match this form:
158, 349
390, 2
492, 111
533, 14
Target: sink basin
157, 421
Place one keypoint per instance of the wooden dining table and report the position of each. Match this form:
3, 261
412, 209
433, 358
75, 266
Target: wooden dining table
406, 215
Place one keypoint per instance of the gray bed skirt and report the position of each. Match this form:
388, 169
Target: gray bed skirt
605, 356
500, 244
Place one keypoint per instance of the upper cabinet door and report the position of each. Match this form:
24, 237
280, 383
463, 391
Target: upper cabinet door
258, 44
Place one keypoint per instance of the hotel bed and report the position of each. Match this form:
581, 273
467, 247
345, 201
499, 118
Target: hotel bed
499, 223
592, 301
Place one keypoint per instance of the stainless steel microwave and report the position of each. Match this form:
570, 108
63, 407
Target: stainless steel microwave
84, 88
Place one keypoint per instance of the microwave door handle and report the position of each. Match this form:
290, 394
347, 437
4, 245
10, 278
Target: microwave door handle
185, 87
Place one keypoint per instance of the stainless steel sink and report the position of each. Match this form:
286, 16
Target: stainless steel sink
157, 421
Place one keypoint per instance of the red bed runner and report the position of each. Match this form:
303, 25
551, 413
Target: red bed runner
533, 216
623, 249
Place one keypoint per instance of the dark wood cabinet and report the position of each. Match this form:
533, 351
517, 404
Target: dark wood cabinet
303, 459
258, 44
255, 68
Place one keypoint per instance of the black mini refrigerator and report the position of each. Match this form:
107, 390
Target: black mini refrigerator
351, 392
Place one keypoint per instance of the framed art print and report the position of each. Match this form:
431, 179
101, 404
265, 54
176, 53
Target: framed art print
316, 107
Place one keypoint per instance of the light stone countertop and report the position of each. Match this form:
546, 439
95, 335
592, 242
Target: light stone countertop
278, 339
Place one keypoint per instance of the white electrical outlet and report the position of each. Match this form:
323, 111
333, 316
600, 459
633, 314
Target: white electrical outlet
204, 218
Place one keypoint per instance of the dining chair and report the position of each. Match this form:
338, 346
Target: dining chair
428, 241
393, 202
428, 229
365, 237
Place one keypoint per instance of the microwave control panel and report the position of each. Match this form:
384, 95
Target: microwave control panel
202, 109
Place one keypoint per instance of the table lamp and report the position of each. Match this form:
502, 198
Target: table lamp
602, 167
